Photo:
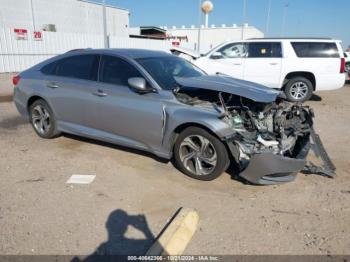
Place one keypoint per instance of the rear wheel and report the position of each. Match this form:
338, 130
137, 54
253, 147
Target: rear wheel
347, 67
200, 155
299, 89
42, 119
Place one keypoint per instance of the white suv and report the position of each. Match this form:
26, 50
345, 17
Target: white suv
297, 66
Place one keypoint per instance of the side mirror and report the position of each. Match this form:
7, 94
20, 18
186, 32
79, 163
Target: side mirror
138, 84
216, 55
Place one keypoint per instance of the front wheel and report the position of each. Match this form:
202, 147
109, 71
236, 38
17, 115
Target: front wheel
200, 155
299, 89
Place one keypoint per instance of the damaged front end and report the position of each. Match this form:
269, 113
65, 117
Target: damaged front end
270, 140
270, 144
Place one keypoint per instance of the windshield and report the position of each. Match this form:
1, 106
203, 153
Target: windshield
165, 69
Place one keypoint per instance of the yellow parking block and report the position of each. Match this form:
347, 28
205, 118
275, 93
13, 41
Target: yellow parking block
177, 235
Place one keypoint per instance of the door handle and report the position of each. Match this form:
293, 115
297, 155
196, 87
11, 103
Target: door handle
52, 85
100, 93
273, 63
237, 63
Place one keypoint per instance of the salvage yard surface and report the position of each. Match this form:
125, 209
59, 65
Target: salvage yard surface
134, 194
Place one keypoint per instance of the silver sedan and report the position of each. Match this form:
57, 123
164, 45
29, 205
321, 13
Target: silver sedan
160, 103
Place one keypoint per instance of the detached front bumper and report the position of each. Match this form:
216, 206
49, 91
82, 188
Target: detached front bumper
268, 169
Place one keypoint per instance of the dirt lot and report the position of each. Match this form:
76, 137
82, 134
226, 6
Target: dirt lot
134, 194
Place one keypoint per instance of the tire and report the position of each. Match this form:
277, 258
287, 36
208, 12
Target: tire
206, 149
347, 67
43, 119
299, 89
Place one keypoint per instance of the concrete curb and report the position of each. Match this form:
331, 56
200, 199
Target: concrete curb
176, 236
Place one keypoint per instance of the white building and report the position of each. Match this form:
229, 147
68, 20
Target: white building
212, 36
70, 16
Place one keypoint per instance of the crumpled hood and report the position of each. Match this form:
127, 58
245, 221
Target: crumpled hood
250, 90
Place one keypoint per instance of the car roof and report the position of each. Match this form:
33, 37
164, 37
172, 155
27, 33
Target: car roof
293, 38
132, 53
297, 39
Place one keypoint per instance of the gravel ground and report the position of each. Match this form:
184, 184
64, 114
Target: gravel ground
134, 194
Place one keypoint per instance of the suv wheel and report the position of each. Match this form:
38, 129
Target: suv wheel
299, 89
347, 67
42, 119
200, 155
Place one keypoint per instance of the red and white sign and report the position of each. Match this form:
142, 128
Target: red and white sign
21, 34
175, 43
38, 36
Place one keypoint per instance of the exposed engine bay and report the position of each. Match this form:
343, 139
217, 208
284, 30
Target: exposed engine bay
281, 128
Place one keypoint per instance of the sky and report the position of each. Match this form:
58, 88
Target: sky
312, 18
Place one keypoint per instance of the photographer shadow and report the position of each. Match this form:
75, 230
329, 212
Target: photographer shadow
117, 243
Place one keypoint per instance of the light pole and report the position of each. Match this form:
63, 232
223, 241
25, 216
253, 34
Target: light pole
33, 16
105, 37
199, 25
244, 17
268, 17
284, 18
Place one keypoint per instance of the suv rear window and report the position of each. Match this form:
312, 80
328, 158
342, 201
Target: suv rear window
265, 49
316, 49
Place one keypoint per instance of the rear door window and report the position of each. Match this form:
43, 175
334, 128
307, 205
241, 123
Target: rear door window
80, 67
316, 49
117, 71
264, 50
49, 69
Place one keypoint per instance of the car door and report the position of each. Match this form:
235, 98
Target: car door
228, 60
70, 84
264, 63
135, 119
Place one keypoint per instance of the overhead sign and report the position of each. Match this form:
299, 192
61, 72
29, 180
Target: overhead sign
38, 36
21, 34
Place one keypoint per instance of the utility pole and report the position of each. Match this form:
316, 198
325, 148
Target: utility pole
268, 17
199, 26
284, 18
105, 37
244, 17
33, 15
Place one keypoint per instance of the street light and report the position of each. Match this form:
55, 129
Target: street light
105, 37
199, 25
33, 15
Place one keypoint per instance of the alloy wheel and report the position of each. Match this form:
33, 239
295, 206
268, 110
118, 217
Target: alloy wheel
41, 119
347, 68
198, 155
299, 90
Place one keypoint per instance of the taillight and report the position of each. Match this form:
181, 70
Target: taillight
15, 80
342, 65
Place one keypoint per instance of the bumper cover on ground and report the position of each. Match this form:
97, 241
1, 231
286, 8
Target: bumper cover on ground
268, 168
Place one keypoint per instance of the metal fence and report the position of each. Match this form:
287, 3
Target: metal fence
17, 55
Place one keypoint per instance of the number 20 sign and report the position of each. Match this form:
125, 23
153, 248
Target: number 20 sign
38, 36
